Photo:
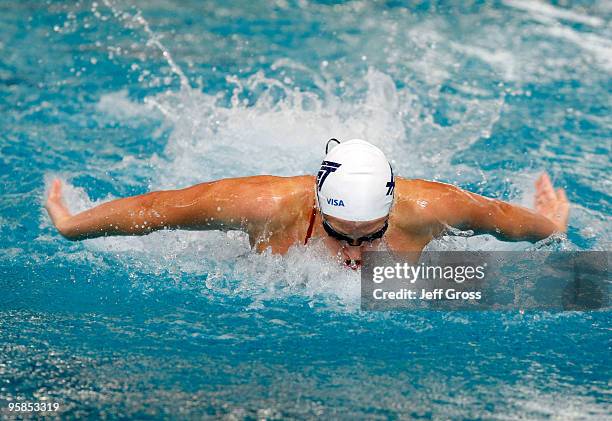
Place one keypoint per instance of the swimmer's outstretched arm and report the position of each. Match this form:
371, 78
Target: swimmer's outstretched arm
230, 204
465, 210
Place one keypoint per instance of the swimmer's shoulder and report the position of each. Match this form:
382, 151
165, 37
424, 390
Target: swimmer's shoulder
412, 189
297, 195
270, 184
286, 198
286, 189
418, 201
269, 194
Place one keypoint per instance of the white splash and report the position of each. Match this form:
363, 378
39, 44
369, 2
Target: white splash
548, 13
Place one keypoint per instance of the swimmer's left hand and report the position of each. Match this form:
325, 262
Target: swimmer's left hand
550, 203
57, 209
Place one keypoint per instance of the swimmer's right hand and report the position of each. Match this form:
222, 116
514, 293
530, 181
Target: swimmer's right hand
57, 209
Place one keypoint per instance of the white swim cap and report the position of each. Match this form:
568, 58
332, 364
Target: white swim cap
355, 182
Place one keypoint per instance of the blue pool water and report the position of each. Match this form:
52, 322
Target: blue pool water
121, 97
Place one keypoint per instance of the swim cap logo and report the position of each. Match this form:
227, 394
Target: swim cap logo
335, 202
327, 167
391, 184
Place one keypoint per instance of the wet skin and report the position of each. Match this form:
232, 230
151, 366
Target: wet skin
275, 212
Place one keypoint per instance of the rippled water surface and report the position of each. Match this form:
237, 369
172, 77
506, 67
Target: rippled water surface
122, 97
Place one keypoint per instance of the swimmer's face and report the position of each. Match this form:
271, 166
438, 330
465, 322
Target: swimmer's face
350, 251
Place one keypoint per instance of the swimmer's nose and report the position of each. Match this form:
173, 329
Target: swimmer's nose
352, 252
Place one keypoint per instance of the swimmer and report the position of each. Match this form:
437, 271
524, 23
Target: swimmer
354, 204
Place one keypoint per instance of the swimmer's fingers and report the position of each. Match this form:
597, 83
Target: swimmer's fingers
546, 199
56, 190
544, 189
551, 203
55, 205
541, 180
563, 206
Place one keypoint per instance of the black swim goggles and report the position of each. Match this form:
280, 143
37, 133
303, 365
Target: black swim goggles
355, 241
